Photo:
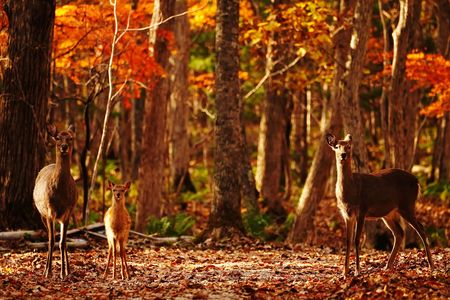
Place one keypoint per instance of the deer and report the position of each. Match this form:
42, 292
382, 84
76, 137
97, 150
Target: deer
55, 195
117, 226
389, 194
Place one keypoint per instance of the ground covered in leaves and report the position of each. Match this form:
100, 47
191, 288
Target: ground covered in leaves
236, 269
260, 271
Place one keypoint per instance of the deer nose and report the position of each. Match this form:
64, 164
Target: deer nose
117, 195
64, 147
343, 156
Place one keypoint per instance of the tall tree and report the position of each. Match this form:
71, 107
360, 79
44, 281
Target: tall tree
319, 173
23, 108
225, 217
154, 151
442, 143
402, 108
272, 132
179, 138
351, 111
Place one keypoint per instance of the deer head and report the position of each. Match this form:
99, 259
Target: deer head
118, 190
63, 140
342, 148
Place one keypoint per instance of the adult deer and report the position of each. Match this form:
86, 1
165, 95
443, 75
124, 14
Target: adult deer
386, 194
55, 195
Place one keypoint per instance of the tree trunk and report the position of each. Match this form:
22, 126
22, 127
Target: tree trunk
23, 108
272, 131
402, 110
351, 111
249, 192
179, 138
443, 43
225, 217
299, 135
154, 152
319, 173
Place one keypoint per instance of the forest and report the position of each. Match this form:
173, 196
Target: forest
228, 149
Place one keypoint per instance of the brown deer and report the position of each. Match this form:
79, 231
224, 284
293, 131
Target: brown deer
386, 194
55, 195
117, 227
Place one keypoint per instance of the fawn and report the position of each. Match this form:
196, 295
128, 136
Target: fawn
386, 194
55, 195
117, 227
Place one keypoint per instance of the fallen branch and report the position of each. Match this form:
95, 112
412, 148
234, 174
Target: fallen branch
71, 243
17, 235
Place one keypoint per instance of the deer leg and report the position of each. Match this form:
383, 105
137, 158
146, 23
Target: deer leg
123, 256
359, 227
51, 244
421, 232
109, 260
127, 273
122, 274
63, 250
114, 257
394, 226
350, 228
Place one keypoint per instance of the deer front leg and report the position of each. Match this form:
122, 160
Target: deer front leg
350, 228
359, 227
114, 253
51, 243
108, 261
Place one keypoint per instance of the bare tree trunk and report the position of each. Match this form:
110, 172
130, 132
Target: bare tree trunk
319, 173
137, 118
179, 137
385, 89
443, 43
272, 131
154, 150
402, 111
23, 108
225, 218
351, 111
299, 135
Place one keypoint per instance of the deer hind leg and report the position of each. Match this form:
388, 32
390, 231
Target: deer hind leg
51, 243
411, 218
393, 223
124, 260
105, 273
359, 228
350, 229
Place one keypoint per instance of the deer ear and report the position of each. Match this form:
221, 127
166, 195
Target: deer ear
348, 137
52, 131
127, 185
110, 185
71, 128
331, 140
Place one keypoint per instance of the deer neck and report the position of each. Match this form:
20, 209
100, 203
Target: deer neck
62, 165
344, 182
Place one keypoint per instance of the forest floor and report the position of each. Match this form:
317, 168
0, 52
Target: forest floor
234, 269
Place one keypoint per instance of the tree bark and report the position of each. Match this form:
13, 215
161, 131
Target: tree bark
154, 152
225, 217
179, 137
443, 43
23, 108
272, 130
402, 109
319, 173
351, 111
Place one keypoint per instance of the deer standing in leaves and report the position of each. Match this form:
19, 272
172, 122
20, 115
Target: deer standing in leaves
117, 226
55, 195
386, 194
